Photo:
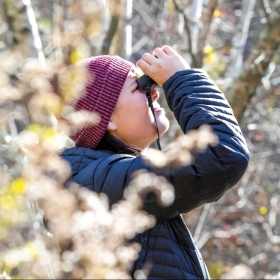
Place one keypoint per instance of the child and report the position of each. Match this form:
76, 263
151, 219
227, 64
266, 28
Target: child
105, 156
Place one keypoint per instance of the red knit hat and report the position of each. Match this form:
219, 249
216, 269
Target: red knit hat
107, 75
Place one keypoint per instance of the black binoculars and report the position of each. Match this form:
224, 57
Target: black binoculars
145, 82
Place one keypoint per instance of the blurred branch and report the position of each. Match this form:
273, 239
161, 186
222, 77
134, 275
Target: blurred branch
35, 32
128, 29
202, 218
114, 20
66, 5
257, 64
117, 44
188, 33
116, 12
266, 8
272, 217
241, 41
196, 12
23, 26
144, 14
274, 239
206, 20
57, 28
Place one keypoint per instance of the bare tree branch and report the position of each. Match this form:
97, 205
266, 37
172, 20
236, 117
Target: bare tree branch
58, 28
241, 41
114, 42
114, 21
188, 32
24, 29
206, 20
258, 62
197, 6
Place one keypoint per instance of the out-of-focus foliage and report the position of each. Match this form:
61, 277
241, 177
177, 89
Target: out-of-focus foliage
238, 235
84, 237
93, 237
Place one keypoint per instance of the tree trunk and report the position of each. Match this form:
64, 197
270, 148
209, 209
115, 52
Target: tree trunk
196, 25
114, 41
188, 33
245, 86
23, 27
114, 20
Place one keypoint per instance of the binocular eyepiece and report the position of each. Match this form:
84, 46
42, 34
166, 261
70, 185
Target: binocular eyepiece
145, 82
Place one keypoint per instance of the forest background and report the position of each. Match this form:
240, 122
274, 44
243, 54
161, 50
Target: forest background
236, 42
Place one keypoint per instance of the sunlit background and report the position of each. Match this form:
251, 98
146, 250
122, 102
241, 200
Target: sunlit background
235, 41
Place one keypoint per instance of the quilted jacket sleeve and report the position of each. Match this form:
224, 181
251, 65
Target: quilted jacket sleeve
196, 100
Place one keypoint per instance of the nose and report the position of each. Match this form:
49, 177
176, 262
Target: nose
154, 94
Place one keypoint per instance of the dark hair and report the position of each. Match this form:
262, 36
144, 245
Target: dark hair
111, 143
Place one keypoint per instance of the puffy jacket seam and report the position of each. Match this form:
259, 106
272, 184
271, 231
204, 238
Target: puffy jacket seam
157, 250
220, 161
81, 159
232, 177
128, 171
183, 246
166, 265
93, 174
242, 153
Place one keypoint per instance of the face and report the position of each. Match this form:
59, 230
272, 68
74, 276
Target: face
132, 120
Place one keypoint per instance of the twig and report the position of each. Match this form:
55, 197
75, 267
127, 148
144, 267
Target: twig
202, 218
188, 31
35, 32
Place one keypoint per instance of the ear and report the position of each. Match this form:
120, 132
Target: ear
111, 126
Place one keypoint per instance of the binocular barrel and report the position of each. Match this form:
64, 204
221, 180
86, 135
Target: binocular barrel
145, 81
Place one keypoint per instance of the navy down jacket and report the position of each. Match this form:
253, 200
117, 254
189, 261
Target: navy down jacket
168, 249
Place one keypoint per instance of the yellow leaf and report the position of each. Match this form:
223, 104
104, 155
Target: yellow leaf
19, 186
208, 49
52, 103
32, 250
50, 132
8, 202
217, 13
94, 28
36, 128
263, 210
171, 6
76, 56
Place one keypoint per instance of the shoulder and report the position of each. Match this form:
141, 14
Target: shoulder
89, 165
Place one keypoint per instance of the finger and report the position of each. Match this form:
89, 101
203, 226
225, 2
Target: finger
143, 65
150, 59
158, 52
168, 50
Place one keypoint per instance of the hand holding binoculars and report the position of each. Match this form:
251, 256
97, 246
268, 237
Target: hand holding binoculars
145, 82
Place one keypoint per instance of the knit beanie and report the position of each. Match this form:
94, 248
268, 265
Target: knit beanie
107, 75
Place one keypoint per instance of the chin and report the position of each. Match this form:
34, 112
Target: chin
163, 125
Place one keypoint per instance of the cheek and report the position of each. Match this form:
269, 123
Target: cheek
136, 106
134, 112
140, 111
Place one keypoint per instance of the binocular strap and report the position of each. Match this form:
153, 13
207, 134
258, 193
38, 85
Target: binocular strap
148, 94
